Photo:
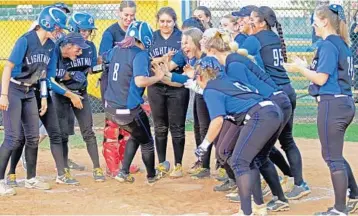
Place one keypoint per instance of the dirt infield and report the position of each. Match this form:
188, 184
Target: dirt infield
168, 196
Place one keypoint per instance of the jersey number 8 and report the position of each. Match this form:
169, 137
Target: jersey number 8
277, 57
115, 72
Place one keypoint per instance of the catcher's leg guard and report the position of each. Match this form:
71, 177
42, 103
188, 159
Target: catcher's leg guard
124, 136
110, 148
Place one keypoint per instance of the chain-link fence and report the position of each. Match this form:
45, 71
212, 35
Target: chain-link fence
294, 15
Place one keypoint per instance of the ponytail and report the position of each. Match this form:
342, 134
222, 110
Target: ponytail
127, 42
283, 44
343, 32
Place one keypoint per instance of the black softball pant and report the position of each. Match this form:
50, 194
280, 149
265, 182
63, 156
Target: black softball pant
335, 114
287, 142
85, 121
51, 124
201, 125
169, 106
22, 113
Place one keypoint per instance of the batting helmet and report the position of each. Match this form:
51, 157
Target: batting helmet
81, 20
141, 31
50, 17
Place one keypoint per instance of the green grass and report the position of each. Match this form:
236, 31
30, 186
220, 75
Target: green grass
308, 131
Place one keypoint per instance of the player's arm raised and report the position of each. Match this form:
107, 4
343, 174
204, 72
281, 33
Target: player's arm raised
141, 73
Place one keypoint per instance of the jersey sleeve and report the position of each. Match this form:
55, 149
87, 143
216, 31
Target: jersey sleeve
252, 45
51, 73
179, 78
18, 52
215, 102
179, 59
140, 64
240, 39
237, 71
328, 59
106, 42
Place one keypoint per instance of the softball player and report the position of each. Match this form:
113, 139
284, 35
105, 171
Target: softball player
331, 74
27, 65
230, 23
113, 152
49, 121
74, 60
204, 14
261, 120
235, 68
269, 51
169, 104
243, 16
191, 49
128, 76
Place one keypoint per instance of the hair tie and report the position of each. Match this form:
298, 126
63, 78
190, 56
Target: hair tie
337, 9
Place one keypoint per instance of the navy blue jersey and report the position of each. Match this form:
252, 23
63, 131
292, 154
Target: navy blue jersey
226, 97
30, 58
254, 68
126, 64
334, 58
110, 36
81, 64
239, 72
240, 38
162, 46
265, 46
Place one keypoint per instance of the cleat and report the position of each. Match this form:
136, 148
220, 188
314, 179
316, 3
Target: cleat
163, 169
222, 175
66, 179
228, 185
75, 166
196, 165
6, 190
298, 192
352, 205
260, 210
332, 211
11, 180
35, 183
201, 173
122, 177
98, 175
177, 171
276, 205
152, 180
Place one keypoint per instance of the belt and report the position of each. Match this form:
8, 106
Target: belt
20, 83
328, 97
277, 93
117, 111
256, 108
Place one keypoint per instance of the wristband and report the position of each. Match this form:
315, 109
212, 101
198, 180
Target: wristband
43, 88
205, 144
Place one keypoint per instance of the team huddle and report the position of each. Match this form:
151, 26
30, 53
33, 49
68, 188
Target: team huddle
244, 101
